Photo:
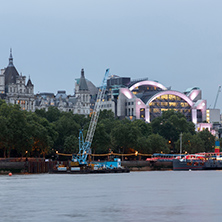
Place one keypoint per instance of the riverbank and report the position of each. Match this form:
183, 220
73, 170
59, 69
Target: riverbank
40, 165
142, 165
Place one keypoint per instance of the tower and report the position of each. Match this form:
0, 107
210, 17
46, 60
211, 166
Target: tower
15, 89
82, 94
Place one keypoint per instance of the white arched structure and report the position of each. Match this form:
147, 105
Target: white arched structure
147, 82
170, 92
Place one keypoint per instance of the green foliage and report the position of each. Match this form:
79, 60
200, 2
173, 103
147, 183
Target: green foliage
71, 144
208, 140
190, 144
40, 133
101, 140
158, 144
124, 136
171, 124
65, 126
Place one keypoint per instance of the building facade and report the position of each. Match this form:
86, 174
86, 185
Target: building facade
145, 99
79, 103
14, 89
133, 99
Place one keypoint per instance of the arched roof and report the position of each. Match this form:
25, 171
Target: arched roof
147, 82
176, 93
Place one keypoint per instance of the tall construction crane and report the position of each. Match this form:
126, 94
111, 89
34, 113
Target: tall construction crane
84, 147
217, 96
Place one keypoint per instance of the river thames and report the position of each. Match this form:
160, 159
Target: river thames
135, 196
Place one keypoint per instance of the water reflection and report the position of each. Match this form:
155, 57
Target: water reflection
138, 196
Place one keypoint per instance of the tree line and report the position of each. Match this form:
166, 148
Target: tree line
42, 133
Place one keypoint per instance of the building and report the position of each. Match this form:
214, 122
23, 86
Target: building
14, 89
133, 99
79, 103
146, 99
213, 116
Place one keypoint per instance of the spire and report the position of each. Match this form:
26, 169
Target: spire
10, 58
82, 73
82, 82
29, 83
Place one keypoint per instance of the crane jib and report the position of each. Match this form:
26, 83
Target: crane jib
84, 147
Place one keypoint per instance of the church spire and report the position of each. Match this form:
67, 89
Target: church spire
10, 58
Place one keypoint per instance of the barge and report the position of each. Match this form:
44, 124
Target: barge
113, 166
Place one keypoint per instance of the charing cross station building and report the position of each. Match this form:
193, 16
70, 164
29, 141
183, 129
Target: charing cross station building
133, 99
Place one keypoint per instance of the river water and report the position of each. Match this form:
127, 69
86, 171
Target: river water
135, 196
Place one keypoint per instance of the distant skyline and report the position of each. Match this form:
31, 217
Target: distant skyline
178, 43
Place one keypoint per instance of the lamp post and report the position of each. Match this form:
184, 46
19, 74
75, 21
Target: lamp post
181, 134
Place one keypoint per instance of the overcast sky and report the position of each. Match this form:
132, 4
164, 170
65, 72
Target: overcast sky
176, 42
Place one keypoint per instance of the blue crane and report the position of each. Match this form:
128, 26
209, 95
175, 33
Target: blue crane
217, 96
84, 147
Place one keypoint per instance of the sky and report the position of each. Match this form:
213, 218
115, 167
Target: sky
175, 42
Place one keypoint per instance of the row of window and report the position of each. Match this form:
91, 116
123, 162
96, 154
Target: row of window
129, 112
14, 90
129, 103
23, 102
159, 110
106, 106
169, 104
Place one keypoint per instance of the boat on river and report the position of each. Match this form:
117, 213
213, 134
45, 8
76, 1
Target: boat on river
113, 166
198, 162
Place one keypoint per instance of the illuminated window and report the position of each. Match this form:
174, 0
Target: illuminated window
172, 97
164, 103
164, 97
172, 104
184, 104
156, 110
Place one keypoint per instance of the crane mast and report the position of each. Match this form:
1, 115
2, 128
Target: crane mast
84, 147
217, 96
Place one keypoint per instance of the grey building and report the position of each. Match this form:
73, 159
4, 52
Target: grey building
79, 103
14, 89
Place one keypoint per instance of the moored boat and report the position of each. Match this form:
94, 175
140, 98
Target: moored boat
197, 162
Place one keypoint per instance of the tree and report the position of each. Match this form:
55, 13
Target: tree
101, 140
4, 134
124, 136
43, 134
208, 140
71, 144
158, 144
170, 125
106, 114
65, 127
190, 144
143, 145
144, 128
